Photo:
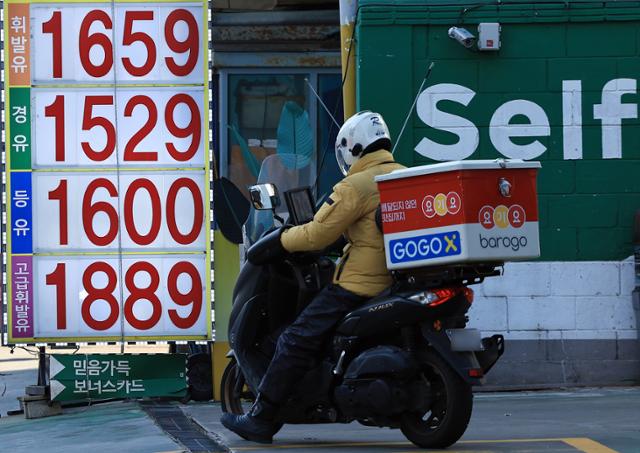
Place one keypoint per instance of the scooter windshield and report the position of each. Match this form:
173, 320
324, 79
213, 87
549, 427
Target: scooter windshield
286, 172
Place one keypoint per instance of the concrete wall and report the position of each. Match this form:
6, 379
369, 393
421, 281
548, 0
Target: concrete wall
566, 323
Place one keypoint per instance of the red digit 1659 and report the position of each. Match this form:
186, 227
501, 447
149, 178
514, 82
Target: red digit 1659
192, 298
86, 41
91, 208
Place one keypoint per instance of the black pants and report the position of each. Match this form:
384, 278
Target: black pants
299, 345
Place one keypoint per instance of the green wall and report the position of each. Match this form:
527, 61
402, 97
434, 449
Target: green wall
586, 205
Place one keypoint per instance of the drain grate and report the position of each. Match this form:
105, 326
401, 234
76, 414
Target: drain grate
173, 421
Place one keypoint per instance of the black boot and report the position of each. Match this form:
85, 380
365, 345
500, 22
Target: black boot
258, 425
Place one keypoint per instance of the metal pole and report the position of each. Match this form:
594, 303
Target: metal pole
42, 367
348, 10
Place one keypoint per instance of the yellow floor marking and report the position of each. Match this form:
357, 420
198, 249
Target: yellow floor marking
510, 441
588, 445
325, 445
581, 443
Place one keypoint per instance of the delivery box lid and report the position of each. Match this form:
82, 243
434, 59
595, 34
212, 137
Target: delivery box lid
457, 165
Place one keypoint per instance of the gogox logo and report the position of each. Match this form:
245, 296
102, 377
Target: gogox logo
425, 247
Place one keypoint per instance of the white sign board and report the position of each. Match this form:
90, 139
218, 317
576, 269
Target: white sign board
108, 213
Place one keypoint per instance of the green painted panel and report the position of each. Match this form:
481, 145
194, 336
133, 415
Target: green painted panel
498, 77
461, 71
582, 211
543, 211
599, 72
382, 54
570, 68
629, 67
629, 205
558, 177
603, 243
557, 243
518, 11
527, 37
585, 40
608, 176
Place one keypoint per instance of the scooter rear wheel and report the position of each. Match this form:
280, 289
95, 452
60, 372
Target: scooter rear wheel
236, 395
447, 418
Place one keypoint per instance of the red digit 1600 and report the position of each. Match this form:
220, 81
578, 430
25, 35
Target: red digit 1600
87, 211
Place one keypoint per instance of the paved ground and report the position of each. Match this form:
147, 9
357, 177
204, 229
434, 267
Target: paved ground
588, 420
591, 421
16, 371
109, 427
105, 428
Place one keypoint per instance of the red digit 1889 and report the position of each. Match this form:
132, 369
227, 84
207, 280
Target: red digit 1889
192, 298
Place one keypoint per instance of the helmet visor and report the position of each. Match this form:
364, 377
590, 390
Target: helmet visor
342, 164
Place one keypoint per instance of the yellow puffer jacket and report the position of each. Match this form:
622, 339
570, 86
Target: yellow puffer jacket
351, 209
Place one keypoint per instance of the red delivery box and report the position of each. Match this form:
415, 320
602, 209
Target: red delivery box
460, 212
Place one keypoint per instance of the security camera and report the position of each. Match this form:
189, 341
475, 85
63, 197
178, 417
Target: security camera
463, 36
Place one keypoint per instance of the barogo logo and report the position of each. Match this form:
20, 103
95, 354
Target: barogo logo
502, 217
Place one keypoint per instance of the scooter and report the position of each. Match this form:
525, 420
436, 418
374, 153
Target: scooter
402, 360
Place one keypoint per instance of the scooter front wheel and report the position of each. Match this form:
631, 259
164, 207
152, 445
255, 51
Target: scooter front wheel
236, 395
446, 420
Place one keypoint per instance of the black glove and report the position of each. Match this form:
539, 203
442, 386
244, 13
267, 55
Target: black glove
268, 248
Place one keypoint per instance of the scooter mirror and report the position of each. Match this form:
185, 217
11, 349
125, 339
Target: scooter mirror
264, 196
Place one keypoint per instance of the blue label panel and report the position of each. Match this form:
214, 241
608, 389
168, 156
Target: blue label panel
425, 247
21, 216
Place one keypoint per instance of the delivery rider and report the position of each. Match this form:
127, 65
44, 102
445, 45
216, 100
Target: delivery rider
362, 153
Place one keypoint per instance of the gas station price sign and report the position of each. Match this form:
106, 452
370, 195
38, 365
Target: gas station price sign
107, 171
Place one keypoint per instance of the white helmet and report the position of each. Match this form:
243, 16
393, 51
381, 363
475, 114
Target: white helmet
356, 134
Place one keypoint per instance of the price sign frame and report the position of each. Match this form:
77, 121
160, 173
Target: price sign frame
118, 26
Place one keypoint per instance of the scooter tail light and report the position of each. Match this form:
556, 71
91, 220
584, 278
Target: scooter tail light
444, 295
435, 297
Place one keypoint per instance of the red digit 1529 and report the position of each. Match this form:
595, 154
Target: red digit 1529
87, 40
90, 121
192, 298
91, 208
